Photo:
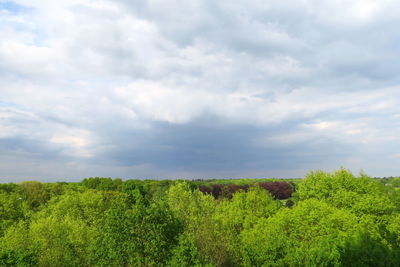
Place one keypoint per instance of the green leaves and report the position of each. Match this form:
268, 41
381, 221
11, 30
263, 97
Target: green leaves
61, 241
342, 189
185, 253
12, 209
335, 219
34, 193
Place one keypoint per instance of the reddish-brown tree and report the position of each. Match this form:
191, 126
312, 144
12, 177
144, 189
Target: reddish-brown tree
280, 190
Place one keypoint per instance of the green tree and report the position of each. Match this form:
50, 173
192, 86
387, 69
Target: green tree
99, 183
12, 209
137, 234
185, 253
34, 193
61, 241
63, 231
342, 189
309, 234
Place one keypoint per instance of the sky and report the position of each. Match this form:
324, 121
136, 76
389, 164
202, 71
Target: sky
198, 89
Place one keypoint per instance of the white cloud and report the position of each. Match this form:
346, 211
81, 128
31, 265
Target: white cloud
77, 142
82, 75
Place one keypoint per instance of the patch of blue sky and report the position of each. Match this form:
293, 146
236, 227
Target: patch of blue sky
15, 18
9, 104
19, 19
13, 7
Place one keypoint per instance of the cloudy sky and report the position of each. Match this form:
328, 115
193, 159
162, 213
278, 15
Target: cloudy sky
198, 89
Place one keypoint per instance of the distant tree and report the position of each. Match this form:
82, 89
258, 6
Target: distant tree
34, 193
222, 190
131, 185
205, 189
280, 190
155, 189
99, 183
55, 189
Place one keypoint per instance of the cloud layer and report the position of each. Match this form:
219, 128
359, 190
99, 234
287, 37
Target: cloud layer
197, 89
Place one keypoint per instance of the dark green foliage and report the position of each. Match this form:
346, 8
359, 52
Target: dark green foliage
364, 250
156, 190
106, 184
132, 185
34, 193
9, 257
8, 188
12, 209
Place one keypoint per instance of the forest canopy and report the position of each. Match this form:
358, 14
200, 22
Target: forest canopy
325, 219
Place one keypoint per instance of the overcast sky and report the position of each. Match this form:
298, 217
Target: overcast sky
198, 89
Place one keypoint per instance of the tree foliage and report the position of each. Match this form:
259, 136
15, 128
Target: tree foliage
326, 219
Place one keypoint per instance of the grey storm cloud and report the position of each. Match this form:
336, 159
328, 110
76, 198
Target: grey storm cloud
197, 89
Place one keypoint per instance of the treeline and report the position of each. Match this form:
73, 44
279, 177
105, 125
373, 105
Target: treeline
326, 219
